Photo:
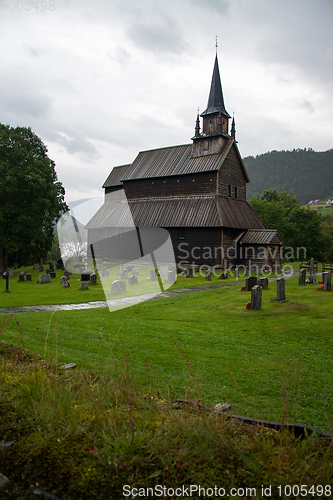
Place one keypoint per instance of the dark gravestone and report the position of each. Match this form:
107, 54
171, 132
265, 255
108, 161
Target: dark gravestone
172, 276
93, 279
125, 274
301, 277
312, 273
280, 289
85, 276
28, 277
67, 273
188, 272
60, 264
263, 282
327, 281
132, 280
51, 265
250, 282
256, 295
208, 276
41, 269
153, 275
21, 277
247, 271
223, 276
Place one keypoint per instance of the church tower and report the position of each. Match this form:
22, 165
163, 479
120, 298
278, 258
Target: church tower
215, 130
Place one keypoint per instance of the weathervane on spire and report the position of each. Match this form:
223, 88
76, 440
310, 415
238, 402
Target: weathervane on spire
216, 43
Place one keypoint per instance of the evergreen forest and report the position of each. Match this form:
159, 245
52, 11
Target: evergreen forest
308, 174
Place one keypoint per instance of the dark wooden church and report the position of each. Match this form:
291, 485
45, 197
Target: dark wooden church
196, 191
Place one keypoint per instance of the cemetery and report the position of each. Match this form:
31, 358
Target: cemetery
270, 361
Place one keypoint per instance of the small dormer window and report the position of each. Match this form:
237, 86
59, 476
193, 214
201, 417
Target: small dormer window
236, 191
229, 189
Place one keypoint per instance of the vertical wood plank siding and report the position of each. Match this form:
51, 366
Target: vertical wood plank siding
232, 174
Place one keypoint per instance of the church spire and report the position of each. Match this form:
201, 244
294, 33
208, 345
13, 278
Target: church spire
197, 126
215, 100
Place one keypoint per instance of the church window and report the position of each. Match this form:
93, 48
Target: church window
236, 191
229, 190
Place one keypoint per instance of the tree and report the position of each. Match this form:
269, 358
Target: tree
298, 227
31, 197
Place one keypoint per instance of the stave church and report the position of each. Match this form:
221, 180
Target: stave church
196, 191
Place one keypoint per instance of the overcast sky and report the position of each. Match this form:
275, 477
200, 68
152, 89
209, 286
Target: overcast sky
101, 80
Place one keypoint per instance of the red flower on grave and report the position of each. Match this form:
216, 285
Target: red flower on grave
37, 282
316, 288
243, 288
320, 282
248, 305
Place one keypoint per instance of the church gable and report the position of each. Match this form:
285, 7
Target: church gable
232, 177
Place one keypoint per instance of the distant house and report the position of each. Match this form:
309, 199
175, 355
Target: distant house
314, 202
196, 191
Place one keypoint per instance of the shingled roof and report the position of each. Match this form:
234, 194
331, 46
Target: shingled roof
192, 211
170, 161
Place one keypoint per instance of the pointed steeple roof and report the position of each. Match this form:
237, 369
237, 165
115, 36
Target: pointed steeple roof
215, 100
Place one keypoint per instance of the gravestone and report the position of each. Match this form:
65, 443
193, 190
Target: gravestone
84, 286
51, 265
312, 273
132, 280
67, 273
21, 277
247, 271
64, 282
153, 275
129, 268
188, 272
237, 273
41, 269
120, 269
280, 289
60, 264
93, 279
223, 276
164, 270
263, 282
256, 296
36, 267
208, 276
135, 271
172, 276
125, 274
11, 272
250, 282
301, 277
28, 277
118, 286
327, 281
44, 278
85, 276
105, 272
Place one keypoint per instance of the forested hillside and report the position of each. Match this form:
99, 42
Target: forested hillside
308, 174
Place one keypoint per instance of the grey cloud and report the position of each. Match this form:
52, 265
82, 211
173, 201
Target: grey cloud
162, 36
32, 50
219, 6
305, 104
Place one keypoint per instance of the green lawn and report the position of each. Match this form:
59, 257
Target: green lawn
273, 364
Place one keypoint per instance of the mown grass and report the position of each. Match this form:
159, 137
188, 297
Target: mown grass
80, 435
273, 364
